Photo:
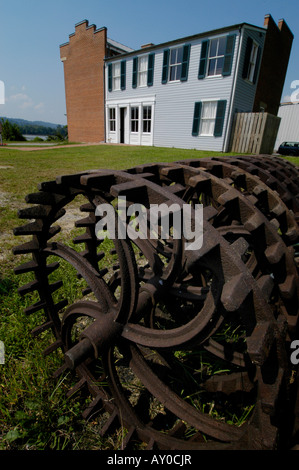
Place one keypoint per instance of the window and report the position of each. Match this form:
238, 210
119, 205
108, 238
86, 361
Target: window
175, 64
208, 118
251, 61
116, 76
216, 56
147, 118
134, 119
112, 120
142, 70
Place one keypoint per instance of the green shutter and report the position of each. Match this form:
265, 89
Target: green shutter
257, 64
135, 72
150, 69
221, 106
229, 54
165, 66
196, 118
185, 62
203, 59
123, 75
247, 57
109, 77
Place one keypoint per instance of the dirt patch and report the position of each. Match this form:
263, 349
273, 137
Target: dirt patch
30, 148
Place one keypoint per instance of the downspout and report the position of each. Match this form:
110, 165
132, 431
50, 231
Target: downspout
232, 96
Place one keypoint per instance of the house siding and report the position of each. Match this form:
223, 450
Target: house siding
174, 101
245, 91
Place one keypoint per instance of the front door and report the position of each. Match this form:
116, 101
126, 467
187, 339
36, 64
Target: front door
122, 125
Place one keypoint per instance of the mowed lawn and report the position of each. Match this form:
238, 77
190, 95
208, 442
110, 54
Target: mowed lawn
22, 171
34, 411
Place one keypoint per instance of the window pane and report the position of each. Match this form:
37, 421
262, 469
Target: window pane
142, 64
209, 109
180, 55
213, 48
143, 79
221, 46
219, 65
116, 83
172, 74
212, 64
173, 56
178, 71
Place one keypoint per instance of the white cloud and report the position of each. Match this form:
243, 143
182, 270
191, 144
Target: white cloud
18, 97
39, 106
21, 100
20, 104
26, 104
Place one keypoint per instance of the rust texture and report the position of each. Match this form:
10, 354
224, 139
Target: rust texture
185, 349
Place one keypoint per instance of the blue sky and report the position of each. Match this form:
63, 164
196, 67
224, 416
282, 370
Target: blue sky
31, 32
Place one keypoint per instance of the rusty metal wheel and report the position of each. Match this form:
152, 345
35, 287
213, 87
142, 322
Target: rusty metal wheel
258, 233
138, 333
286, 189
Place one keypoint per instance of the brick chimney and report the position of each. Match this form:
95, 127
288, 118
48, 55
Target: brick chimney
274, 64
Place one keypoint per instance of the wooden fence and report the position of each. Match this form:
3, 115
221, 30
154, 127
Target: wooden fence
254, 133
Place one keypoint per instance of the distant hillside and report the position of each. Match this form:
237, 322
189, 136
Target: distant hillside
23, 122
34, 127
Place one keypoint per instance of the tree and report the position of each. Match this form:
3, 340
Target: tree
11, 132
60, 134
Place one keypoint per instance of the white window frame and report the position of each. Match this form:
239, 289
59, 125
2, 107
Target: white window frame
134, 118
252, 61
112, 119
216, 57
142, 71
146, 121
176, 66
116, 74
210, 118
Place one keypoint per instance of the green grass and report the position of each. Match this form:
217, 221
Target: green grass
34, 411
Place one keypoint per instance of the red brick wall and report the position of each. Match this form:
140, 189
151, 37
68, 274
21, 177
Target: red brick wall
274, 64
83, 64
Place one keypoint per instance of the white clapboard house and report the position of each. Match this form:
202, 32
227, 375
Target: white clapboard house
183, 93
